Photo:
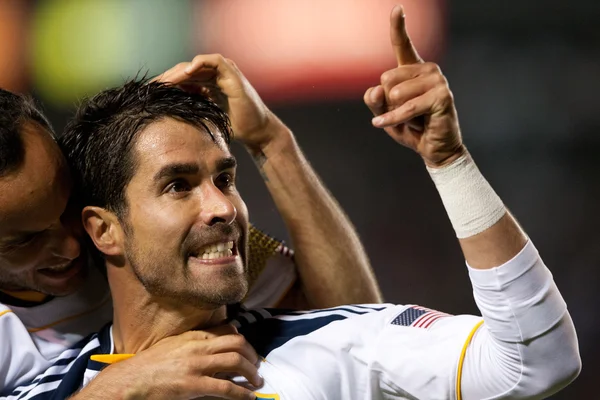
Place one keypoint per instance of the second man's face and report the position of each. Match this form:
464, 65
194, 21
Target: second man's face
186, 225
39, 232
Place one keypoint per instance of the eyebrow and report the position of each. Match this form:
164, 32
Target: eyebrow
176, 169
226, 163
20, 236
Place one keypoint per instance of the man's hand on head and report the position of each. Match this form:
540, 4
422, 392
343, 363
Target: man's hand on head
181, 367
217, 77
414, 104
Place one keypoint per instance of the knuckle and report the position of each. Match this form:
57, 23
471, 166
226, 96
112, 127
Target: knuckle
440, 79
237, 340
408, 107
445, 96
223, 387
431, 68
235, 358
232, 341
193, 335
181, 65
196, 348
445, 93
387, 77
396, 94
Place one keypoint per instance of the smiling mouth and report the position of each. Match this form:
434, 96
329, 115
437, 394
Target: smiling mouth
216, 251
58, 270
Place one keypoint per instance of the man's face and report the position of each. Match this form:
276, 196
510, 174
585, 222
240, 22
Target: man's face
39, 246
186, 225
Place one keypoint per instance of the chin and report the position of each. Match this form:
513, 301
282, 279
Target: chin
66, 288
218, 294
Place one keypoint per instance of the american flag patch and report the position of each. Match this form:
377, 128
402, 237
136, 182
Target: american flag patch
419, 317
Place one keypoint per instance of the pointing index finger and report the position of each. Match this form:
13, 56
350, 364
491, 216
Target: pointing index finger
403, 47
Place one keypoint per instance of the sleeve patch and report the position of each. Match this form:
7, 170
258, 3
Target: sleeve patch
418, 317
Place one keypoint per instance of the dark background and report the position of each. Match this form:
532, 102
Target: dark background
526, 79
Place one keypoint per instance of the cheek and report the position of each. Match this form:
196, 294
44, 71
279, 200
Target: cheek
159, 228
31, 257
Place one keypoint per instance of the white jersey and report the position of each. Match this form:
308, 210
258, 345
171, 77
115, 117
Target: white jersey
34, 337
523, 347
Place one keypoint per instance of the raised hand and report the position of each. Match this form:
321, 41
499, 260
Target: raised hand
221, 80
414, 104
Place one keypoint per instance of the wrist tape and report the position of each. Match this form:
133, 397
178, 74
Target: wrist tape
471, 203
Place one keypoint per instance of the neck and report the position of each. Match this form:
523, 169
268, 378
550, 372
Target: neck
140, 320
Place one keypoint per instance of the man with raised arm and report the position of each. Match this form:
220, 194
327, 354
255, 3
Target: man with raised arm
180, 176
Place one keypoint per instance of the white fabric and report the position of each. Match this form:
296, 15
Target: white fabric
26, 351
273, 283
526, 349
471, 203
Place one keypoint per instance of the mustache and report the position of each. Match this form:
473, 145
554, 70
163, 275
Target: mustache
211, 234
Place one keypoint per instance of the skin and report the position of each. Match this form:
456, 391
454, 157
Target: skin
414, 105
327, 267
159, 287
332, 264
37, 230
414, 89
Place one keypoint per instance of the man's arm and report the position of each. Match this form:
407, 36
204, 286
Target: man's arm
332, 264
527, 347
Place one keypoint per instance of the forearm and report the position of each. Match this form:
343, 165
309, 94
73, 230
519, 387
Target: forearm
489, 236
526, 324
332, 264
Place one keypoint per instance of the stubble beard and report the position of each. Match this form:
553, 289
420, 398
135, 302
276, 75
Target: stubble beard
231, 288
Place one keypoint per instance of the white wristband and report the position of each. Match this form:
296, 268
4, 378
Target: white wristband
471, 203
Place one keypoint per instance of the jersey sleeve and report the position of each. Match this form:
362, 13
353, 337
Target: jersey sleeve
19, 359
524, 346
417, 352
527, 347
271, 270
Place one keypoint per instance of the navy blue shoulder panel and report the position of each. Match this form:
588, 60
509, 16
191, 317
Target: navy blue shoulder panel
73, 379
266, 333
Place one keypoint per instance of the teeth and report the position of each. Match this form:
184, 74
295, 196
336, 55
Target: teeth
218, 254
216, 251
59, 268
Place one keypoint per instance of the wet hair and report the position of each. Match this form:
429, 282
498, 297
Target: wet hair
99, 141
15, 111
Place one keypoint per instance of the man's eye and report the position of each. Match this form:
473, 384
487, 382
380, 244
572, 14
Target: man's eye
179, 186
22, 242
225, 180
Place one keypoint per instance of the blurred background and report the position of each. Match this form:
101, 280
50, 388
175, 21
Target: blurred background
525, 76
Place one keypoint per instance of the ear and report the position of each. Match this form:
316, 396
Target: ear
105, 230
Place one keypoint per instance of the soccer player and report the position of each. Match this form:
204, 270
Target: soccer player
176, 202
51, 299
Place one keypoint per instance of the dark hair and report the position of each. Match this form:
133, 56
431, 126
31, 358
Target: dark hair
15, 111
98, 141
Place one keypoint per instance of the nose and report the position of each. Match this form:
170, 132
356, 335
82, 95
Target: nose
66, 244
216, 207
